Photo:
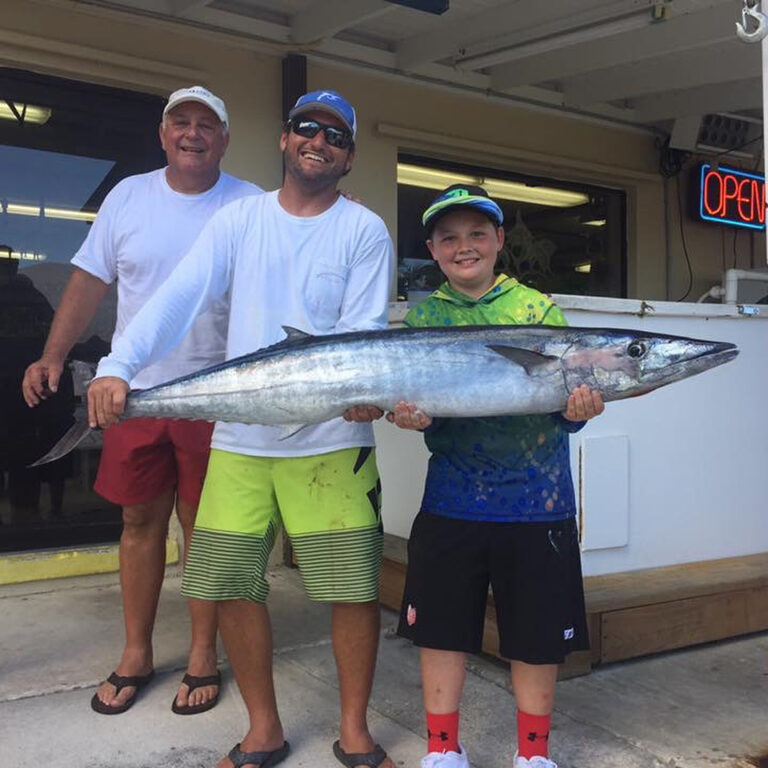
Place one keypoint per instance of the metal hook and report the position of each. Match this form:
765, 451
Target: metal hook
750, 11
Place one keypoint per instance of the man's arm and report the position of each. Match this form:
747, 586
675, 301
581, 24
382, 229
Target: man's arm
199, 279
78, 305
366, 304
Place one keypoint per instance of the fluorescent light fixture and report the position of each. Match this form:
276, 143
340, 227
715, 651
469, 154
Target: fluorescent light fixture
50, 213
594, 223
513, 190
68, 213
23, 210
29, 113
23, 255
584, 268
430, 178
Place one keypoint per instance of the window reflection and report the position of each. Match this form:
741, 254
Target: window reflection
63, 146
560, 237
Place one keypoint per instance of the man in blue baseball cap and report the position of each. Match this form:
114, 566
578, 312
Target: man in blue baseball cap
305, 257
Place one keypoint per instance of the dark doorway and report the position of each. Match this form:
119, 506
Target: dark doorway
63, 145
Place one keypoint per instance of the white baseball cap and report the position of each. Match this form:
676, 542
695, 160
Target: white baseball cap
202, 96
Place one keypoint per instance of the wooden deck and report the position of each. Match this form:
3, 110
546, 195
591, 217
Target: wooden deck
640, 612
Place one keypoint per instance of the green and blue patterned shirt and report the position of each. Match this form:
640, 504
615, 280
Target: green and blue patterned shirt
498, 468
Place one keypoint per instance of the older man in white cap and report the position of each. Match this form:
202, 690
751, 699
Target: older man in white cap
144, 227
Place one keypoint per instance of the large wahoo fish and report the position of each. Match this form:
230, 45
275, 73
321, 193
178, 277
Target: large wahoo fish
480, 370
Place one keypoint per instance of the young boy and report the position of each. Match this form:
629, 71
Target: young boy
498, 506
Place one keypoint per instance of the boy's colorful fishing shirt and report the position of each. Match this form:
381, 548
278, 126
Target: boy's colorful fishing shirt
499, 468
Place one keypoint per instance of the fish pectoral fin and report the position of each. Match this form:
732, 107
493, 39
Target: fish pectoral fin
294, 334
523, 357
289, 430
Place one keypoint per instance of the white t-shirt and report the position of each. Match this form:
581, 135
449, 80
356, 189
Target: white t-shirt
321, 274
142, 231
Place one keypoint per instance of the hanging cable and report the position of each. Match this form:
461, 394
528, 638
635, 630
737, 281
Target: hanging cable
682, 237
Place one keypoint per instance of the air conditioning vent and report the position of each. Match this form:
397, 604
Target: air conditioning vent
716, 134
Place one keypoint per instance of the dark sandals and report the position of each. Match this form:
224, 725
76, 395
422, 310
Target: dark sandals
192, 682
263, 759
137, 681
374, 758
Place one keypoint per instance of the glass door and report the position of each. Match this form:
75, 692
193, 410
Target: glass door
63, 146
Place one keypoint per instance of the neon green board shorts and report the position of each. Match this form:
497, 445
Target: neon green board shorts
329, 505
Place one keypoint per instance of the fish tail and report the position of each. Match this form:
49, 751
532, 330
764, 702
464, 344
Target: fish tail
73, 437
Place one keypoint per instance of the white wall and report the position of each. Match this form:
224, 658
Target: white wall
698, 449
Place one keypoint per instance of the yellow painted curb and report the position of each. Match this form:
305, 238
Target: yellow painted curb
59, 563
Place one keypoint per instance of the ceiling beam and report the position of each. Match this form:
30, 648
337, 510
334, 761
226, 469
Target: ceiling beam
700, 66
701, 100
510, 24
182, 7
560, 60
325, 18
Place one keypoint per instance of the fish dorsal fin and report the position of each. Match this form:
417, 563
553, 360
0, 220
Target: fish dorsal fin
522, 357
294, 334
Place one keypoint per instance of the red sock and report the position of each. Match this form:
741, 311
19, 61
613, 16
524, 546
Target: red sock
443, 732
532, 734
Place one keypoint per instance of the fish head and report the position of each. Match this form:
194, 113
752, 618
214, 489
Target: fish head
622, 363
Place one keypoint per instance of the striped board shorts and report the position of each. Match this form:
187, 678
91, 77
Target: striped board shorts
329, 505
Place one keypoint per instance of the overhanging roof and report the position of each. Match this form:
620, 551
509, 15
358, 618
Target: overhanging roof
644, 62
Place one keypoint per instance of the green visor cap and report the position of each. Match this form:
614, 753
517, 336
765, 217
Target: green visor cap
461, 196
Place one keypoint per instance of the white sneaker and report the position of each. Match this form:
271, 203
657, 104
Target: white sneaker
535, 762
446, 759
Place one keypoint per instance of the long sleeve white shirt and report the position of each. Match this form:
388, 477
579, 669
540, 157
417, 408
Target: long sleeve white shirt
321, 274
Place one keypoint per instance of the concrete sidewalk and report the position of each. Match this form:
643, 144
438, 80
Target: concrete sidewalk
697, 708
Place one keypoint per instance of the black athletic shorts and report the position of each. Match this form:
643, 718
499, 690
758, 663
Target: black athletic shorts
534, 570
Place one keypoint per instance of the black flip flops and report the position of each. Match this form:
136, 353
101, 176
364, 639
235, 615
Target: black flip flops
137, 681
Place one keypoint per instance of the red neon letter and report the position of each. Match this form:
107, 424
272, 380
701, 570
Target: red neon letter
740, 198
705, 192
729, 195
758, 200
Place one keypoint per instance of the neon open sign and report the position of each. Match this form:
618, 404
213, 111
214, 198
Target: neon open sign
732, 197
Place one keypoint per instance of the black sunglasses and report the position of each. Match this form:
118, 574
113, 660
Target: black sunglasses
340, 138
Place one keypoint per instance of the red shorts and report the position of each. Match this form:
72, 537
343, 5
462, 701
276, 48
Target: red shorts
142, 458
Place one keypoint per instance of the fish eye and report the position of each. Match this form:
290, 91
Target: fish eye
636, 349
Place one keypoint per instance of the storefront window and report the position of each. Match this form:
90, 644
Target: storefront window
560, 237
63, 146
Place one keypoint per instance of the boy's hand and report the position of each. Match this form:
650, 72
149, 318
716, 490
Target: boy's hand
363, 413
584, 404
106, 401
408, 416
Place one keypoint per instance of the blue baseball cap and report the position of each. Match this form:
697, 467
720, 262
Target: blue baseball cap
459, 196
328, 101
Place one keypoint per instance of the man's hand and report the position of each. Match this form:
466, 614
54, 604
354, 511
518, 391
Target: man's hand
408, 416
351, 197
41, 379
583, 404
106, 401
363, 413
